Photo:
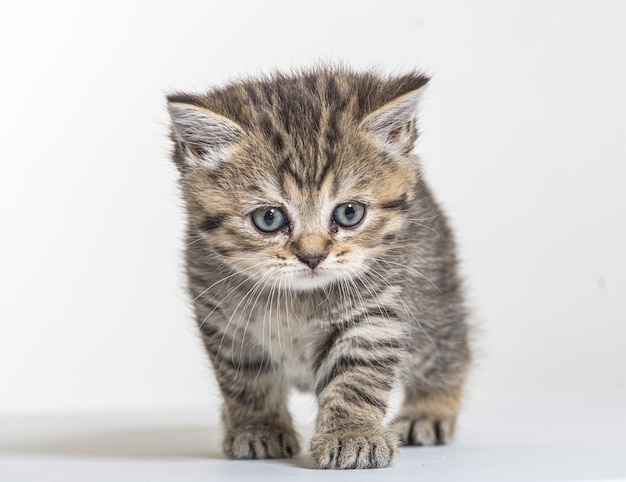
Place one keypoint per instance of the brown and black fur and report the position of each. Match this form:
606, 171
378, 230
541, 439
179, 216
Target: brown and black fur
383, 304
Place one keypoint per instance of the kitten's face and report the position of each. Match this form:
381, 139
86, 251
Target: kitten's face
300, 182
299, 233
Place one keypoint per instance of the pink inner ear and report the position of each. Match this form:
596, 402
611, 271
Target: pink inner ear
205, 133
394, 134
393, 123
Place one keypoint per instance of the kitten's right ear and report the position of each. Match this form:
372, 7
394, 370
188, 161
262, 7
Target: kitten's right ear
207, 135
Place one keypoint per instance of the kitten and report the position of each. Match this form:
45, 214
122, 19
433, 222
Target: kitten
317, 258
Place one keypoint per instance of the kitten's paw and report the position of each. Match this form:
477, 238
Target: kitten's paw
423, 430
354, 449
260, 442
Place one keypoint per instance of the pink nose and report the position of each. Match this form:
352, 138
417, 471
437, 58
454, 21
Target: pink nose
312, 260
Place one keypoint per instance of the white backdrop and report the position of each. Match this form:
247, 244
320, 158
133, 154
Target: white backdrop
523, 140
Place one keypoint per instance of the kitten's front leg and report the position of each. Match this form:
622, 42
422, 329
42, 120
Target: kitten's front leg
257, 423
256, 419
356, 374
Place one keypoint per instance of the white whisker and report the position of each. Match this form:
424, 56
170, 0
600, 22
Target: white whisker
235, 273
425, 226
422, 275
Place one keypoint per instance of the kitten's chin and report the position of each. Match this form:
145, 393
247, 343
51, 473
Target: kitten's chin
311, 279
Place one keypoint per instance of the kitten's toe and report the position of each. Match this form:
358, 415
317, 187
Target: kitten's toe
260, 442
354, 449
423, 430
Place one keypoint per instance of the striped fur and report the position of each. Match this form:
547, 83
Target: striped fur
384, 305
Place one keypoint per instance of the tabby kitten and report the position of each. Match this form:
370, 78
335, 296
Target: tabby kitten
317, 258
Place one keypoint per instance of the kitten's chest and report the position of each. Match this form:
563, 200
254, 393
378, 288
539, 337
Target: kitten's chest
297, 366
293, 344
298, 353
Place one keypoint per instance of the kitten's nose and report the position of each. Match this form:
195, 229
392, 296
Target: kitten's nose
313, 259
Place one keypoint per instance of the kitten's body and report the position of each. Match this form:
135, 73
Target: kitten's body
342, 310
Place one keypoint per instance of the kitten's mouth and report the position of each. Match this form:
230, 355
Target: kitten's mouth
312, 273
308, 279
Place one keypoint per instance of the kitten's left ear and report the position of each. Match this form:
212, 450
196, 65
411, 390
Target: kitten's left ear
393, 124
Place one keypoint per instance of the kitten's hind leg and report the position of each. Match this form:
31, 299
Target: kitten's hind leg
427, 417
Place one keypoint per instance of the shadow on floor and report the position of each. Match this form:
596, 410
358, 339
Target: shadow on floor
118, 437
149, 442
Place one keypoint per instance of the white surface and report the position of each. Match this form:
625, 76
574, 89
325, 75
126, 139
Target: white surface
569, 438
523, 139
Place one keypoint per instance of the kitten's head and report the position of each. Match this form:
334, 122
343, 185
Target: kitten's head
299, 180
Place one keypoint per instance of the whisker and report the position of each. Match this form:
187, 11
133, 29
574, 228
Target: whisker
425, 226
257, 287
422, 275
288, 296
234, 273
408, 310
434, 216
194, 241
243, 298
258, 296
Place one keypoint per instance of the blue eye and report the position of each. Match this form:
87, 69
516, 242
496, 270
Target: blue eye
269, 220
348, 215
